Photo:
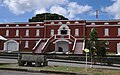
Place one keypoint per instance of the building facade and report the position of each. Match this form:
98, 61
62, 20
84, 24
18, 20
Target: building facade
66, 36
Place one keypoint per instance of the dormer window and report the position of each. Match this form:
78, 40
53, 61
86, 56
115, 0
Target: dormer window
27, 25
68, 22
17, 25
118, 22
93, 23
76, 22
52, 22
60, 23
37, 25
106, 23
7, 25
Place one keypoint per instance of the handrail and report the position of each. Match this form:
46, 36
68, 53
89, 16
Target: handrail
83, 45
36, 44
47, 42
74, 45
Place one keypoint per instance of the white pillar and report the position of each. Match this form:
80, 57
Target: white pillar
118, 48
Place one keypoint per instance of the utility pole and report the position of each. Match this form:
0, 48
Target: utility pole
97, 14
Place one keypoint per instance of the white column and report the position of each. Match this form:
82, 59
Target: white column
118, 48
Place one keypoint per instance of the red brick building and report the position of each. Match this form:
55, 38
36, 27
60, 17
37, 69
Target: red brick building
58, 35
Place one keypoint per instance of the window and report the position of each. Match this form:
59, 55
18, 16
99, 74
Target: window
26, 44
37, 32
52, 32
118, 31
76, 32
17, 32
106, 32
63, 31
27, 32
7, 32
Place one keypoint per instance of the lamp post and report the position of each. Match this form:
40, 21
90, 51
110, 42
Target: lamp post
86, 51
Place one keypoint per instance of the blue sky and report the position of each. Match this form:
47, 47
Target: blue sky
22, 10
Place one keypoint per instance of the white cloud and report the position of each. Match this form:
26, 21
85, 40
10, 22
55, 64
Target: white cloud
40, 11
58, 10
75, 9
114, 9
63, 7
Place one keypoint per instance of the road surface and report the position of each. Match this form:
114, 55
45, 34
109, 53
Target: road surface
52, 63
2, 72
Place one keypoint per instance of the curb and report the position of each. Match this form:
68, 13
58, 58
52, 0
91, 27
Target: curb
42, 71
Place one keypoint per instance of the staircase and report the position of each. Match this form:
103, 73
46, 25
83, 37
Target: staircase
39, 48
78, 48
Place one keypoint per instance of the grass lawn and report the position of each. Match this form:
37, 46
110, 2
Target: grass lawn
92, 71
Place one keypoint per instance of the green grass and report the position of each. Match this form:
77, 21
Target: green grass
92, 71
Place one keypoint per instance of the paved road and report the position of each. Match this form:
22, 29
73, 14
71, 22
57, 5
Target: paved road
62, 64
2, 72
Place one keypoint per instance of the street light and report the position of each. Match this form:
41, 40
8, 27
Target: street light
86, 51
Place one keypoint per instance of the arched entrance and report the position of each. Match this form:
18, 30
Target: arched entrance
62, 46
11, 45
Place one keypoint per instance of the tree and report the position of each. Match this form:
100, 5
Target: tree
47, 16
95, 46
92, 44
102, 51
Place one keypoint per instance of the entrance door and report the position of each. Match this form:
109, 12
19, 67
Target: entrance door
60, 49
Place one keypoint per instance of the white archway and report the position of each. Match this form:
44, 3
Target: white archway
11, 45
65, 29
62, 46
